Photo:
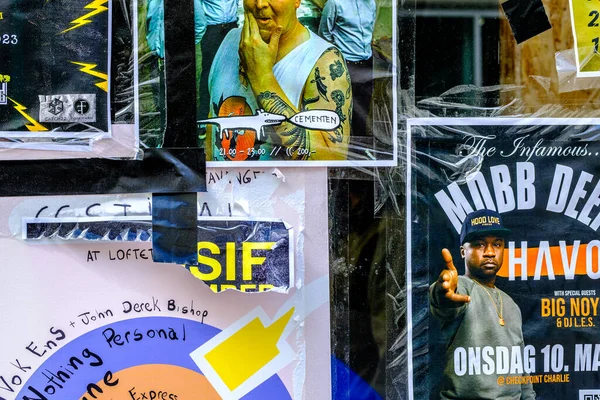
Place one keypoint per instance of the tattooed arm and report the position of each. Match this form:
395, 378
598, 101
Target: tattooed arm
327, 88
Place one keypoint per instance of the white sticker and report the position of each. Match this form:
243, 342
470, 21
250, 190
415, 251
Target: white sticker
325, 120
589, 394
3, 93
68, 108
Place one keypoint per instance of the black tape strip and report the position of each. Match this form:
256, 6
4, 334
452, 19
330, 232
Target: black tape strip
527, 18
180, 66
175, 228
174, 216
161, 170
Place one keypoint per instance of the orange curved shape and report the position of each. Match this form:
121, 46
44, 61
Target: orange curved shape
157, 382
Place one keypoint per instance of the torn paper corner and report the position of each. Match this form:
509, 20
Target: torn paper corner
243, 206
277, 173
289, 227
568, 75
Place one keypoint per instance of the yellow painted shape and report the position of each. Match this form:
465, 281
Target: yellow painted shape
97, 6
248, 350
89, 69
35, 126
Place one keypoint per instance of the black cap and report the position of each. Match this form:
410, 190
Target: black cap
482, 223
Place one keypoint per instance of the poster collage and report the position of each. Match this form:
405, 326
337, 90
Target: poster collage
130, 269
504, 258
220, 289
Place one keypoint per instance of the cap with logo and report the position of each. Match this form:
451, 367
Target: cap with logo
482, 223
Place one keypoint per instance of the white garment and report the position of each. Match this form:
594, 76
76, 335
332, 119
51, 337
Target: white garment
291, 71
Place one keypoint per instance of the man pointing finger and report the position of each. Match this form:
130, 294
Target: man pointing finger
475, 314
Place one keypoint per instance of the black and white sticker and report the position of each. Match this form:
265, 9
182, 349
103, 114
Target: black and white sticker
68, 108
3, 93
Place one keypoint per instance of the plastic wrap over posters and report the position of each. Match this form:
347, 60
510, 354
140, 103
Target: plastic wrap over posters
251, 255
54, 69
503, 263
68, 80
151, 71
250, 235
304, 83
246, 255
94, 317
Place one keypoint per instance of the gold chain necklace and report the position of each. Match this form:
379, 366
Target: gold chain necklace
500, 318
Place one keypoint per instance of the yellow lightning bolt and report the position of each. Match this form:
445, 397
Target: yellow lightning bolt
35, 126
89, 69
97, 6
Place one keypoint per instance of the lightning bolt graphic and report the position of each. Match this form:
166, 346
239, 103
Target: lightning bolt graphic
97, 6
35, 126
89, 69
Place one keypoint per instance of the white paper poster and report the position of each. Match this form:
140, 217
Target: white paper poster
99, 320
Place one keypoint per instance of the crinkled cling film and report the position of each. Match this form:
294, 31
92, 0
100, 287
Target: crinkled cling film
482, 111
68, 80
329, 101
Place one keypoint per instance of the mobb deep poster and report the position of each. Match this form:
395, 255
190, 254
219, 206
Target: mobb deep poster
510, 309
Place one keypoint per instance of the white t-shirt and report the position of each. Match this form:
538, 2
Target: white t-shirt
291, 72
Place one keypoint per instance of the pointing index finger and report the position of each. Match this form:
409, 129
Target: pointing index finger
448, 259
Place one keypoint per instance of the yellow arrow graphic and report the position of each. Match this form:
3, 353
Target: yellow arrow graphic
247, 350
252, 349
